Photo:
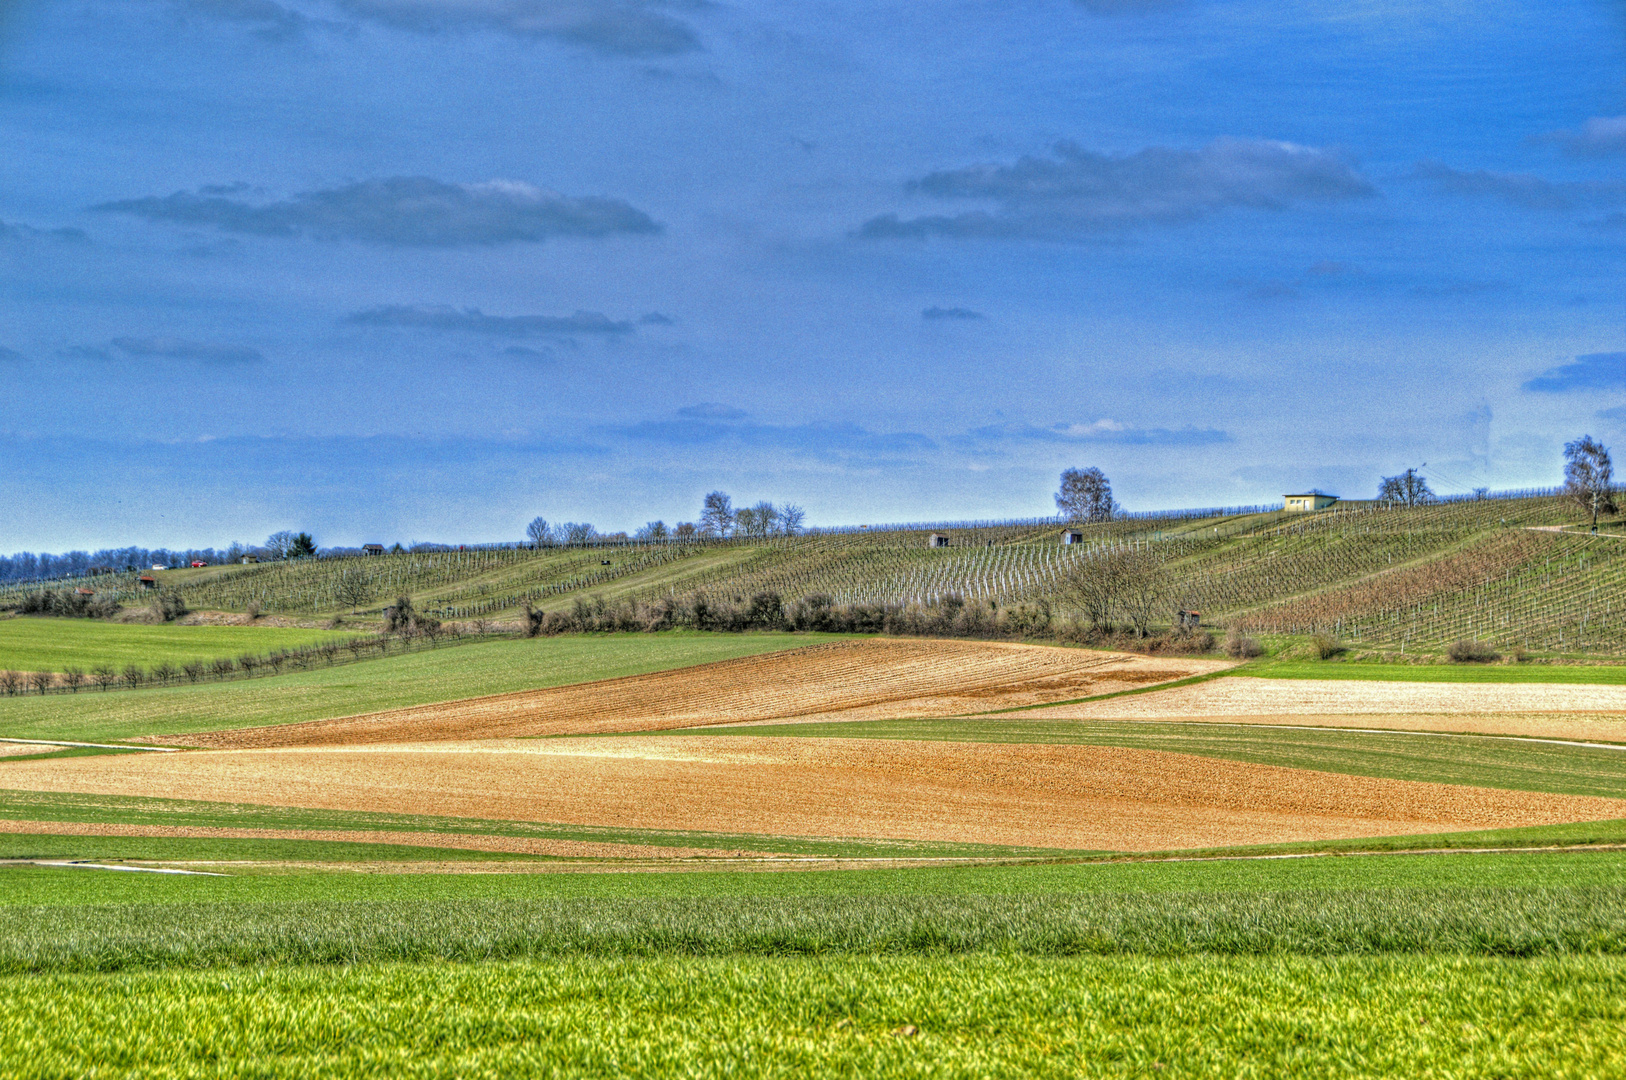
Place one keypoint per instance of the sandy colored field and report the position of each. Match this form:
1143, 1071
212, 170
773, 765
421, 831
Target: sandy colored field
518, 845
24, 749
1078, 797
1542, 710
845, 680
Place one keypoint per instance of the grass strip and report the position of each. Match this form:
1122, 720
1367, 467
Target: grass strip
1476, 760
1589, 674
1561, 920
29, 886
248, 849
983, 1016
18, 805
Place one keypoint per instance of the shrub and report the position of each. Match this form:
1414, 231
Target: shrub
1472, 652
1326, 646
168, 606
1242, 646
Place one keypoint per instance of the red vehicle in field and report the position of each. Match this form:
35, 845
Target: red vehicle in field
198, 562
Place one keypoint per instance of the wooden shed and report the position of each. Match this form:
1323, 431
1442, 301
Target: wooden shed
147, 581
1072, 536
937, 540
372, 549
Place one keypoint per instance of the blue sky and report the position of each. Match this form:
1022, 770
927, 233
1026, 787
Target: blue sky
423, 269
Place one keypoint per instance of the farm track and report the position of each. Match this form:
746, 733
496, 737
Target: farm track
1074, 797
847, 680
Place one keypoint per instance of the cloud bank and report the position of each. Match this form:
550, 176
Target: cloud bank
473, 320
1079, 191
1593, 371
407, 211
615, 27
1599, 136
1523, 189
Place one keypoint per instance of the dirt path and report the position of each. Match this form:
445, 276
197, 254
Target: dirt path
1077, 797
847, 680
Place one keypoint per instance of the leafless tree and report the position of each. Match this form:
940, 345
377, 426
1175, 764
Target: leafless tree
1091, 586
74, 677
354, 589
279, 544
193, 670
1407, 489
791, 519
537, 532
163, 671
11, 682
1085, 495
1589, 477
717, 515
223, 666
133, 675
1143, 586
355, 645
41, 681
276, 660
104, 676
653, 530
684, 530
575, 532
757, 521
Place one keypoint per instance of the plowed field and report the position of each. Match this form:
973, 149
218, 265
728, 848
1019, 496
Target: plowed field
1589, 713
847, 680
1077, 797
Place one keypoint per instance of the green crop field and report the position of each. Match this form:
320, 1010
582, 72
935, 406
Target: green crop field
982, 1016
1378, 966
32, 643
447, 674
1574, 674
1484, 761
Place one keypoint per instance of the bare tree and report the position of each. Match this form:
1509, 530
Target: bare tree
41, 681
791, 519
653, 530
1589, 477
133, 675
717, 515
193, 670
757, 521
684, 530
1091, 586
1143, 586
223, 666
354, 590
74, 677
575, 532
104, 676
163, 671
11, 682
1407, 489
537, 532
1085, 495
279, 544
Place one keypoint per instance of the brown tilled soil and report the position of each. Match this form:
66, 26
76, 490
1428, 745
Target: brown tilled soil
518, 845
1078, 797
847, 680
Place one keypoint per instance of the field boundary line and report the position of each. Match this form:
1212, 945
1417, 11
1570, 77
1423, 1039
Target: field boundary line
1553, 849
90, 745
1370, 731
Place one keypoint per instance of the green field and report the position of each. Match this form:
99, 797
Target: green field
1577, 674
982, 1016
419, 678
34, 643
1484, 761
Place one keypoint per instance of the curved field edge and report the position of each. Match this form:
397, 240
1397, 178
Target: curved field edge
986, 1016
419, 678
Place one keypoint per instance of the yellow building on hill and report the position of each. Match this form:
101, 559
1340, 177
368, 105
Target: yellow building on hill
1310, 500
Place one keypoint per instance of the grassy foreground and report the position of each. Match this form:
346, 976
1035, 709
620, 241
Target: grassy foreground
39, 643
420, 678
966, 1016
